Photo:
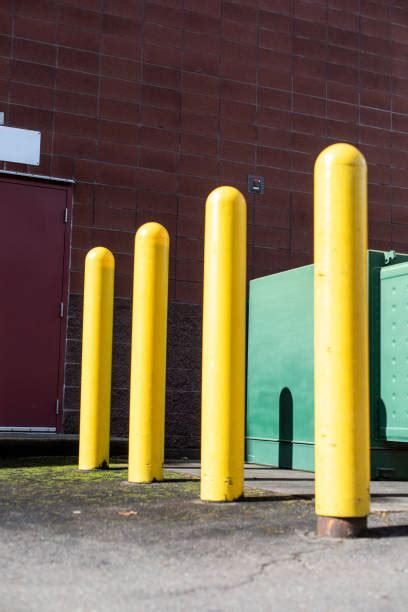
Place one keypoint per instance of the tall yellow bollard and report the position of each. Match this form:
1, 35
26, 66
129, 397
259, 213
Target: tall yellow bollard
96, 359
148, 364
342, 459
224, 336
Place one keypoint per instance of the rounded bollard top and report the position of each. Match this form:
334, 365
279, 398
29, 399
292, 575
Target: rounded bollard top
226, 194
154, 232
101, 255
341, 154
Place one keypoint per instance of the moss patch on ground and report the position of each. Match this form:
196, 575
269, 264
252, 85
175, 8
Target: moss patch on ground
53, 492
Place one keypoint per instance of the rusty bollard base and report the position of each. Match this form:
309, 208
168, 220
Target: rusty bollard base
335, 527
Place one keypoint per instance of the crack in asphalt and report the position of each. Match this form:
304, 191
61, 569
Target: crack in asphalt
250, 579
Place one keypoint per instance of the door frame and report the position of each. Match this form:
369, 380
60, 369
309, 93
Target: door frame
67, 186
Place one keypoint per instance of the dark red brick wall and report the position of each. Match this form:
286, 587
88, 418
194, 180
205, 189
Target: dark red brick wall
149, 105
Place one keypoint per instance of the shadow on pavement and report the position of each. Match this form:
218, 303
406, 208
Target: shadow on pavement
54, 460
389, 494
392, 531
46, 461
275, 498
255, 478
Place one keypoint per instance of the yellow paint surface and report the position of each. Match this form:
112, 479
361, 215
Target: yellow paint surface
148, 363
224, 337
96, 359
341, 334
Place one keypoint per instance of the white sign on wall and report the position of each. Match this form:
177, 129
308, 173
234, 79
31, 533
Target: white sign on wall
20, 146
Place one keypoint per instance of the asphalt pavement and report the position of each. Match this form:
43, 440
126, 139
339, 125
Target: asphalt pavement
85, 541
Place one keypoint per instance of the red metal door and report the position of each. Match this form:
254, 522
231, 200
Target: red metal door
32, 279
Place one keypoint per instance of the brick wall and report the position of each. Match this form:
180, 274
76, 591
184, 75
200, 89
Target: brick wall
149, 105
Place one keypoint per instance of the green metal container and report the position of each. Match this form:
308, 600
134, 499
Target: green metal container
280, 394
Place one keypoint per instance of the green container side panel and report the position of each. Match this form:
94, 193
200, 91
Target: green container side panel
393, 406
378, 263
297, 455
280, 357
280, 385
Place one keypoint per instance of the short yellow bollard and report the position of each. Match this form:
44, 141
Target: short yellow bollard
96, 359
342, 460
224, 337
148, 363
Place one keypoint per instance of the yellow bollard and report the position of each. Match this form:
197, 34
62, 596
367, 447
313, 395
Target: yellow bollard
96, 359
148, 363
224, 337
342, 459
